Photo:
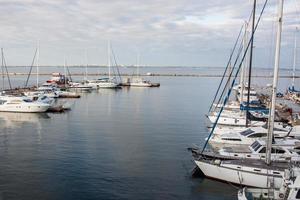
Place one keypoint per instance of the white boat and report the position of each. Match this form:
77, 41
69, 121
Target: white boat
290, 189
140, 82
80, 87
109, 83
254, 173
21, 104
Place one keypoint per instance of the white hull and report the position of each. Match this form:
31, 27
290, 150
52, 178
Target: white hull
140, 84
24, 108
248, 176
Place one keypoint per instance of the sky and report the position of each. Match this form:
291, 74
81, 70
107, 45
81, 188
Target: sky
162, 32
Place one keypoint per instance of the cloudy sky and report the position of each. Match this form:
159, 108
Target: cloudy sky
164, 32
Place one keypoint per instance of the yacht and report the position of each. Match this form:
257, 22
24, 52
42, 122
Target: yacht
109, 83
80, 87
21, 104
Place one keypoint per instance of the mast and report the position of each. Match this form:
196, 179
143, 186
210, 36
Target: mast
274, 86
245, 40
86, 66
295, 58
108, 57
65, 71
138, 65
2, 68
250, 60
37, 65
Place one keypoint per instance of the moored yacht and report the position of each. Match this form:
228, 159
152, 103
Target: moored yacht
21, 104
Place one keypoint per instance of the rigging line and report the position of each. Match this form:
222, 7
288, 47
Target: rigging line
228, 63
8, 78
233, 81
69, 73
115, 60
228, 80
30, 70
2, 68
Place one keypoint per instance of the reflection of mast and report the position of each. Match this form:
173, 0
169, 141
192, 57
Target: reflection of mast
274, 85
295, 58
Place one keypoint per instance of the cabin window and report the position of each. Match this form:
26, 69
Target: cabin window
232, 139
257, 135
247, 132
298, 195
256, 170
263, 150
278, 151
276, 173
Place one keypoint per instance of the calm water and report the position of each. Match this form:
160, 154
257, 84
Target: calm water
124, 144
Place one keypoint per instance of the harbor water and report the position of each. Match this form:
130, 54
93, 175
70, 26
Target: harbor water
129, 143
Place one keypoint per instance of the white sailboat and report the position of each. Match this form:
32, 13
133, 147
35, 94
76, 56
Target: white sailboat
244, 171
108, 83
138, 81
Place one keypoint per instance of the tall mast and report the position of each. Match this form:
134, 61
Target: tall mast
65, 72
138, 65
250, 61
242, 84
108, 57
37, 65
274, 86
295, 58
86, 66
2, 68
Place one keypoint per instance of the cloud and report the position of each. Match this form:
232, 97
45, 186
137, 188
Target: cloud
173, 32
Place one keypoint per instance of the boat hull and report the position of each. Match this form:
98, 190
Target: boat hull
24, 108
246, 175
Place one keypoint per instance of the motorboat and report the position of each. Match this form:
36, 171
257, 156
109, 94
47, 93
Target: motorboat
21, 104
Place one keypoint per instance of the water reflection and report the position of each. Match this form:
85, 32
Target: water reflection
15, 120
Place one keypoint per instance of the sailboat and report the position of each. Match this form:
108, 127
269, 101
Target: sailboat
258, 173
138, 81
107, 82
